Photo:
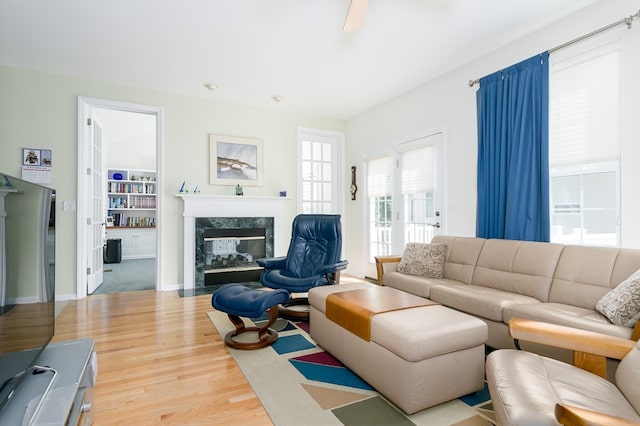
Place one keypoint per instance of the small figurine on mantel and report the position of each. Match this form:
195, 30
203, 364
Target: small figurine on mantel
4, 181
239, 191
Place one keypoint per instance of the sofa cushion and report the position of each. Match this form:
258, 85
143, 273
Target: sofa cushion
622, 304
414, 284
423, 259
521, 267
477, 300
462, 256
567, 315
585, 274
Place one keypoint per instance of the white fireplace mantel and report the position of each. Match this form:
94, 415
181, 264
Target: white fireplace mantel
198, 205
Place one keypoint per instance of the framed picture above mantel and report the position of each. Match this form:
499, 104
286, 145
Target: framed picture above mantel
235, 160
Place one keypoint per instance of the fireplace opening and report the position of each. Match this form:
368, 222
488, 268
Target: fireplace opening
232, 246
230, 254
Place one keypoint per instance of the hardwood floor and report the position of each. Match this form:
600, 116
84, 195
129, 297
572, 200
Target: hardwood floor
160, 361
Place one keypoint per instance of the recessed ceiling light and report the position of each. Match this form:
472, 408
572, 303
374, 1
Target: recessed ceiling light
276, 98
210, 86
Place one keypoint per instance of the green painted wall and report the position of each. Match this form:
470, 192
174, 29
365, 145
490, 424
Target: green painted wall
39, 110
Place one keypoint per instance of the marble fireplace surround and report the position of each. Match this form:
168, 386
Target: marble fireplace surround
211, 206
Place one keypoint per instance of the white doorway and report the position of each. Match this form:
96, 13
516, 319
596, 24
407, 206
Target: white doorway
101, 124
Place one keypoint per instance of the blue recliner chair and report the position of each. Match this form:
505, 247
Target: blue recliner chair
313, 259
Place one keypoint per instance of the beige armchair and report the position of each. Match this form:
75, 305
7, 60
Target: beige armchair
529, 389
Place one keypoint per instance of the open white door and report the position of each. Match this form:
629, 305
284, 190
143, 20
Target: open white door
96, 222
92, 178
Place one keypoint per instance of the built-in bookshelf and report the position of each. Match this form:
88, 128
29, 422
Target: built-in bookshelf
131, 198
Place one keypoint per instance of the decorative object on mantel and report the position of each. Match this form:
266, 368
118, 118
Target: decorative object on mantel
354, 188
283, 193
235, 160
239, 191
4, 181
183, 187
196, 190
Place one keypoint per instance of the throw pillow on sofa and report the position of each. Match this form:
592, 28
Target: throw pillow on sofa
622, 304
423, 259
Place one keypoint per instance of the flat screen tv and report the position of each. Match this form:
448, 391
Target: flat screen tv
27, 284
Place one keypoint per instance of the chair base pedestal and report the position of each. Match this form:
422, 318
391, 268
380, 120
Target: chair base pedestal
266, 335
286, 310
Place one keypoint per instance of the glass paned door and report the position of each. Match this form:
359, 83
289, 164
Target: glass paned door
319, 163
380, 202
418, 193
96, 224
404, 196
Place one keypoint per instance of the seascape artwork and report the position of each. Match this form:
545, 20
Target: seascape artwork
237, 161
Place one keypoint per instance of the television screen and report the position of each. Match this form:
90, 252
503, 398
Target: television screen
27, 278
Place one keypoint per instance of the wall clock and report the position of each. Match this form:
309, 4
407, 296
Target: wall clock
354, 187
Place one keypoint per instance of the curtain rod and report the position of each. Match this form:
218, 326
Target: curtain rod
628, 21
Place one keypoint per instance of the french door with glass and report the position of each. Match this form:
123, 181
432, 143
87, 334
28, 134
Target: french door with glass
404, 193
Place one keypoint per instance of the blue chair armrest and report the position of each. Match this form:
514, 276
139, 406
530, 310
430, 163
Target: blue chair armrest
339, 266
272, 262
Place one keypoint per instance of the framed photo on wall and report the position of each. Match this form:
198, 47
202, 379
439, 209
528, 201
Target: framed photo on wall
235, 160
30, 157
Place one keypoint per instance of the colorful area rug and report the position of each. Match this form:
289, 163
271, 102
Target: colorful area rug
298, 383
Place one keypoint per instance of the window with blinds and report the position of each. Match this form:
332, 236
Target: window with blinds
417, 170
584, 139
417, 192
379, 190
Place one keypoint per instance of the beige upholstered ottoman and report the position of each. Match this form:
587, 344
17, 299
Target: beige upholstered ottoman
416, 357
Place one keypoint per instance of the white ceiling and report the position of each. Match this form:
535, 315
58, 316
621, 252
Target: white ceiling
255, 49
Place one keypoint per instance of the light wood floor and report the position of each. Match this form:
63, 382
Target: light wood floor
160, 361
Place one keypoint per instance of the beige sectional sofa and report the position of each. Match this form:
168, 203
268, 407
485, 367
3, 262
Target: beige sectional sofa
496, 280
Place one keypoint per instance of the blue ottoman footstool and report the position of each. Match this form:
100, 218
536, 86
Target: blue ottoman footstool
237, 301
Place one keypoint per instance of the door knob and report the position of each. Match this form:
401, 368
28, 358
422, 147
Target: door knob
435, 225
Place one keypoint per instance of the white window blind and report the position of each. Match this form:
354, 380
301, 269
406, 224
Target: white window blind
585, 107
584, 138
417, 170
379, 177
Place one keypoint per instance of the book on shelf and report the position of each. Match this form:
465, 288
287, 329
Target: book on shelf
142, 202
131, 187
117, 202
124, 220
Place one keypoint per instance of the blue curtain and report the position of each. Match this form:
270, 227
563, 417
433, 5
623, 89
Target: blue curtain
513, 152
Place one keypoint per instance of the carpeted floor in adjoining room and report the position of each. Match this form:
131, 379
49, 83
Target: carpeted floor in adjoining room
128, 275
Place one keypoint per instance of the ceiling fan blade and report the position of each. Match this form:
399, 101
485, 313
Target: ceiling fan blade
355, 15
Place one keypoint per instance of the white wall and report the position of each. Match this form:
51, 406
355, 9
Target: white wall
448, 102
136, 152
39, 110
